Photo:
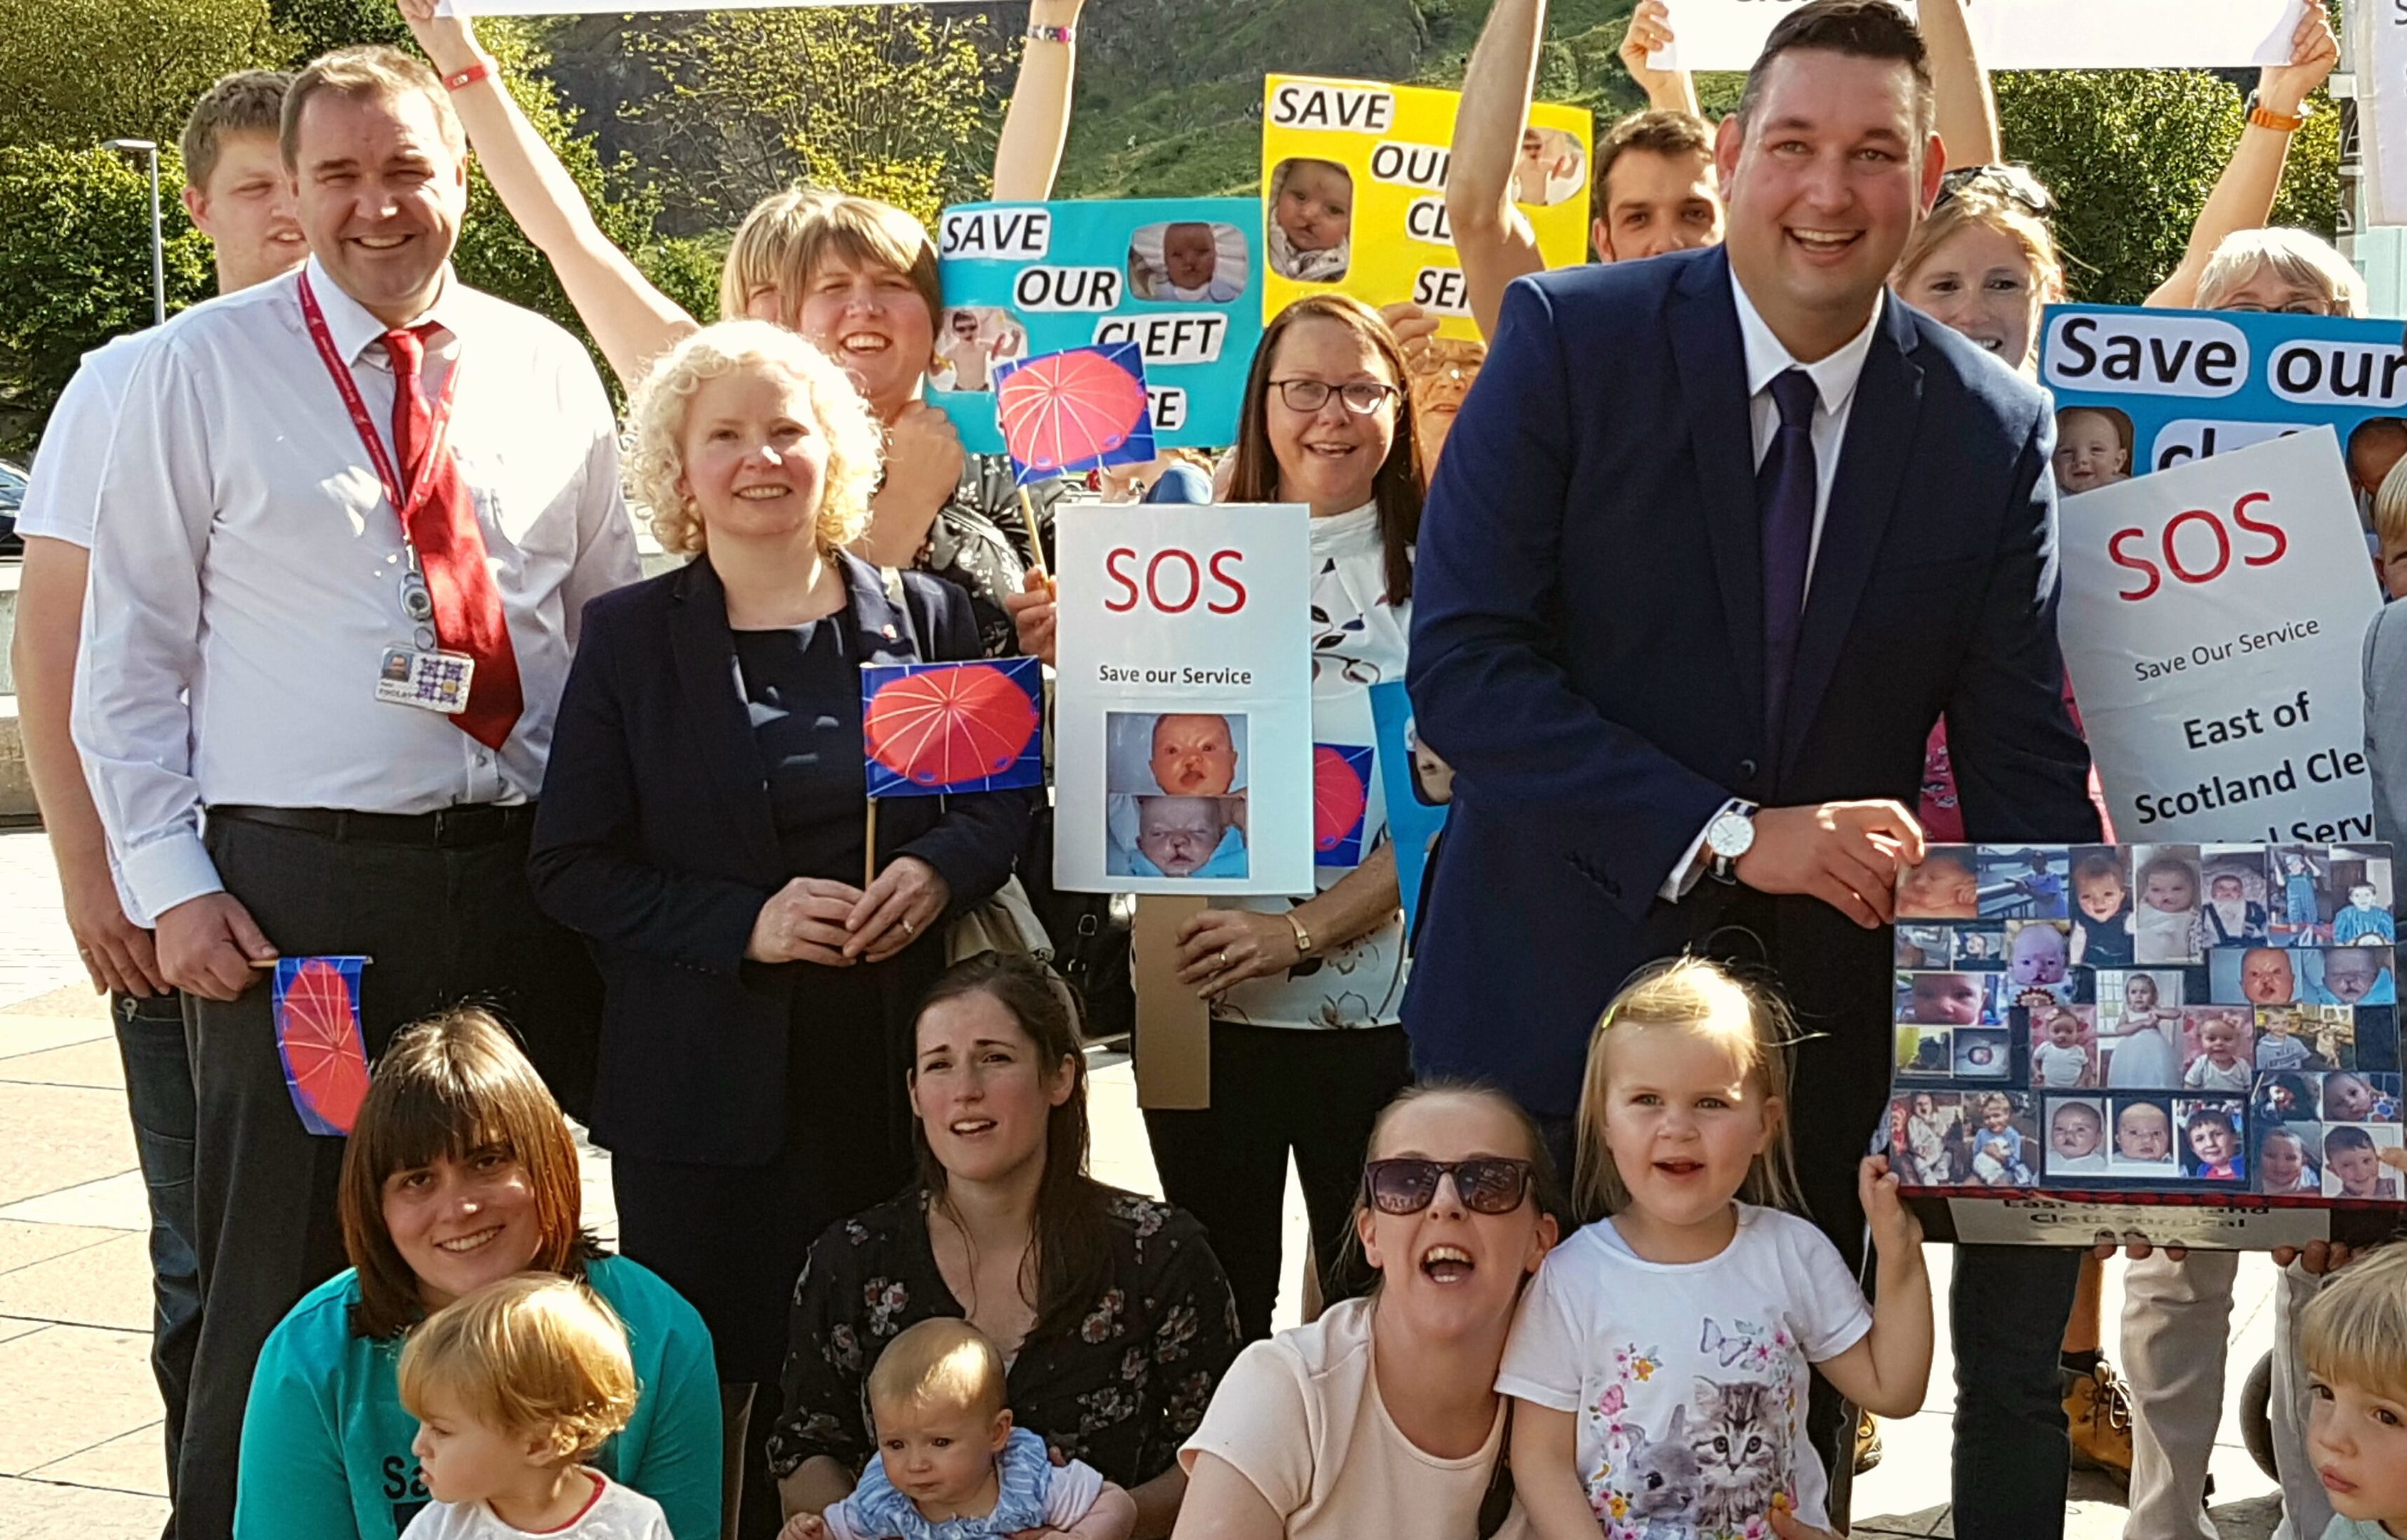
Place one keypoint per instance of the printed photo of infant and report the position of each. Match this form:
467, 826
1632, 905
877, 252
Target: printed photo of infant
2076, 1137
1552, 168
2064, 1048
1980, 947
972, 340
1312, 219
2018, 883
2216, 1041
2261, 976
2093, 448
2213, 1140
2348, 976
1941, 887
1923, 1127
2360, 1096
2362, 1164
2166, 925
1983, 1053
2143, 1139
2360, 879
1950, 999
2038, 952
1177, 804
2101, 909
2289, 1159
1187, 261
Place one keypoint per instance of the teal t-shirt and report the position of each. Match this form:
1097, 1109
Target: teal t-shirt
325, 1442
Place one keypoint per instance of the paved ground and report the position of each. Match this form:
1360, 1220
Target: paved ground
80, 1451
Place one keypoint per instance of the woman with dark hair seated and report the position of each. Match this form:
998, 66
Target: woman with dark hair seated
1110, 1308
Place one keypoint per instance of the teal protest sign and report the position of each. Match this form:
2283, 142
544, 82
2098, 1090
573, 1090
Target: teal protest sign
1181, 278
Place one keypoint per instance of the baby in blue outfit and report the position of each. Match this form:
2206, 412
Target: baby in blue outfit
951, 1466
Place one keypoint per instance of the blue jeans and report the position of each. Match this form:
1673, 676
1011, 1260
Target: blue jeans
2006, 1316
159, 1096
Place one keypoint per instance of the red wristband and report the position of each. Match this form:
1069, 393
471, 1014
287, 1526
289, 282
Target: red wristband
483, 70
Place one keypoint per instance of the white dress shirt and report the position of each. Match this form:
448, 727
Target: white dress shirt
247, 569
64, 496
1834, 378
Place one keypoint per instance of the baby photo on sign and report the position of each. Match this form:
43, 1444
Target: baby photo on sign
1187, 261
1311, 229
1175, 794
2076, 1139
974, 339
2019, 883
1943, 887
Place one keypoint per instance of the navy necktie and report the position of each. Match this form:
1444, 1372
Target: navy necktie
1785, 488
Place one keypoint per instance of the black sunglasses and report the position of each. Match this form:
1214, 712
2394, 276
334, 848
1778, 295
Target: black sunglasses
1487, 1184
2014, 183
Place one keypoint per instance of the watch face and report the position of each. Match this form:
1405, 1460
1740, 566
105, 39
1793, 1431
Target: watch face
1730, 834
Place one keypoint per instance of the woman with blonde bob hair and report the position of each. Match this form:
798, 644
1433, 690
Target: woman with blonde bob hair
460, 1172
704, 827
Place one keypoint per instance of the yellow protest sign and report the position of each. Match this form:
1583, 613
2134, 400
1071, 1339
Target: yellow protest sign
1354, 193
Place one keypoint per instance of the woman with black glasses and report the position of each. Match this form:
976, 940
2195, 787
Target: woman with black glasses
1307, 1040
1382, 1417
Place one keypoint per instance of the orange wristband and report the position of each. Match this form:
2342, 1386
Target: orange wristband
483, 70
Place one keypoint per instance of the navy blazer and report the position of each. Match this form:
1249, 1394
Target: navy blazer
655, 841
1588, 641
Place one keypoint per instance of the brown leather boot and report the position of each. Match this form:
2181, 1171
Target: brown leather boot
2098, 1410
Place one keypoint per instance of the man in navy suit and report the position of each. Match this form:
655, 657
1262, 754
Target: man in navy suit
1717, 538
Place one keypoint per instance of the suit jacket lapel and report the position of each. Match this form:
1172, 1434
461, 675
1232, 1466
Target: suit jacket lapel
1872, 466
704, 652
1711, 365
884, 624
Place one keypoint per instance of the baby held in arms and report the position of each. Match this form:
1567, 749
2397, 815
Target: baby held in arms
951, 1462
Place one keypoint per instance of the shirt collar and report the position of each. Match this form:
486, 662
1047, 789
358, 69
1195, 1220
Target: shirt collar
355, 329
1835, 376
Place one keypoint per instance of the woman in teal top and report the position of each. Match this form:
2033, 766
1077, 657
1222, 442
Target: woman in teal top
461, 1171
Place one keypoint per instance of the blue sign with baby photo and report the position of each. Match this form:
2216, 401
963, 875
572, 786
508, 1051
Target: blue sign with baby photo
1180, 277
2140, 390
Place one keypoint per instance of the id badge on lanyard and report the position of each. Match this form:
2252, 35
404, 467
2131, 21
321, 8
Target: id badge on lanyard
420, 674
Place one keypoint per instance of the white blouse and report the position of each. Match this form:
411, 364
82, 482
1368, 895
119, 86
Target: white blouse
1358, 639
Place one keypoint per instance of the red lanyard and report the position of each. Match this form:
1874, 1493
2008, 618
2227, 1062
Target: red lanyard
438, 429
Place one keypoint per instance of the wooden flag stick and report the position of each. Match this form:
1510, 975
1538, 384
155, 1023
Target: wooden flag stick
1035, 541
869, 849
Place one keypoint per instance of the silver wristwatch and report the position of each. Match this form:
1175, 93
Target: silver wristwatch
1728, 836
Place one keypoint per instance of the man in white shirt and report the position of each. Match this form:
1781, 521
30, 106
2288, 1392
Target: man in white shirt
236, 192
347, 524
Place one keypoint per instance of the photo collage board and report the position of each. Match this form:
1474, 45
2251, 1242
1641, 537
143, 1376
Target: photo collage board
2165, 1024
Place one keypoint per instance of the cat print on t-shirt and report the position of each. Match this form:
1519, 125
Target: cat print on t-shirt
1701, 1461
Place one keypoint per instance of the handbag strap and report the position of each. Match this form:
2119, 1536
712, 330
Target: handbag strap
1496, 1504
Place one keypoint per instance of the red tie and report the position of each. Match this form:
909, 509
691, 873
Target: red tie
452, 552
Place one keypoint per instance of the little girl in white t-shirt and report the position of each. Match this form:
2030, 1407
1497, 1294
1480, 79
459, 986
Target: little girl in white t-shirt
1662, 1356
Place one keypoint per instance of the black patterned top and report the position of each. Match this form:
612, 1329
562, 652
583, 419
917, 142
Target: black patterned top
1122, 1392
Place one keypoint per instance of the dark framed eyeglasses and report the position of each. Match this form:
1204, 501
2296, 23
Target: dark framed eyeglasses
1361, 396
1487, 1184
2014, 183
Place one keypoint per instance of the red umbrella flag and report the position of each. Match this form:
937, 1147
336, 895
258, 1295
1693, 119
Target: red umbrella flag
1341, 794
1075, 410
932, 728
317, 1008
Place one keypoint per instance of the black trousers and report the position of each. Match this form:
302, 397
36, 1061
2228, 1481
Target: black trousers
443, 924
159, 1096
1276, 1089
732, 1238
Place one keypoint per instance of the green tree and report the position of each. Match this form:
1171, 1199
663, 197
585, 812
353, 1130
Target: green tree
2131, 156
75, 269
888, 102
76, 72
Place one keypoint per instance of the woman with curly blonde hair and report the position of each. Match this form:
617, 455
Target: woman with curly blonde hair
704, 827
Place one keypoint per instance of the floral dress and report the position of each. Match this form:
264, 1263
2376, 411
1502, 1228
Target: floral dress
1122, 1392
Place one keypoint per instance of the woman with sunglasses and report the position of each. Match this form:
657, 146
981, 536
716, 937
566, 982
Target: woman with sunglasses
1382, 1417
1306, 1042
